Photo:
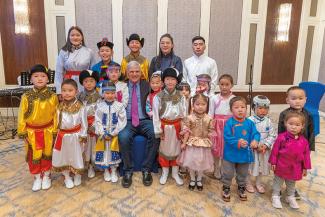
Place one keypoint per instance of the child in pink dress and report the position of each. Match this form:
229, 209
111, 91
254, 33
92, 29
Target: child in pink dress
290, 158
219, 109
196, 146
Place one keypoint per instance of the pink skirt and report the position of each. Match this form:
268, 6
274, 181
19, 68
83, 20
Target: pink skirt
196, 158
217, 138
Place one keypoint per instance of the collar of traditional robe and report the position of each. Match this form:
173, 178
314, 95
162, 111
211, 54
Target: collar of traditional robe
90, 92
69, 102
259, 118
239, 119
109, 103
76, 47
291, 136
38, 90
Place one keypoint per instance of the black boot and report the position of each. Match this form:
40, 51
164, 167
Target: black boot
127, 180
241, 193
226, 193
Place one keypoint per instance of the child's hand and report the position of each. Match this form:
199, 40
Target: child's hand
162, 136
183, 146
107, 137
262, 148
304, 172
273, 167
254, 144
243, 143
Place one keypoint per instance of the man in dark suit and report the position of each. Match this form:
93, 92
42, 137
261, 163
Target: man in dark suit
138, 122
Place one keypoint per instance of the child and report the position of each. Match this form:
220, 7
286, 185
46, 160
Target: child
196, 146
219, 109
155, 86
72, 136
37, 125
110, 120
135, 44
122, 90
296, 98
105, 52
90, 97
261, 167
290, 158
240, 136
169, 108
203, 84
185, 89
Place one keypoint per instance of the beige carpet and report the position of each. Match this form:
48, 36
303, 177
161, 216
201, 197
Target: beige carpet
98, 198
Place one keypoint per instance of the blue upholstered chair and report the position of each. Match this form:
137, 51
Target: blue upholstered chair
314, 92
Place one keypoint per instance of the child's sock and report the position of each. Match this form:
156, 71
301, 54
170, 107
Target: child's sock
199, 178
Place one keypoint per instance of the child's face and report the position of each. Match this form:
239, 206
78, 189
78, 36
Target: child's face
156, 83
166, 45
202, 86
109, 96
135, 46
89, 83
200, 106
225, 86
105, 53
239, 109
294, 125
185, 92
113, 74
170, 83
39, 79
75, 37
68, 92
261, 111
296, 99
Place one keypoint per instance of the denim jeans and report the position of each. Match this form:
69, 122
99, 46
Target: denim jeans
125, 138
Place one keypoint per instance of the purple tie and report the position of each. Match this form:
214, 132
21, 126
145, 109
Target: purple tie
134, 106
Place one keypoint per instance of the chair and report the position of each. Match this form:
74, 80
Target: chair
314, 92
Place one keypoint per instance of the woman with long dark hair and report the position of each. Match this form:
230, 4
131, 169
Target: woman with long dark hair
166, 57
73, 58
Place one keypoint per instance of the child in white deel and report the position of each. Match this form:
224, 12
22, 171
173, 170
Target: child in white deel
110, 119
264, 126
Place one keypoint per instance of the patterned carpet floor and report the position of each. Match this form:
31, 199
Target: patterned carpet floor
95, 197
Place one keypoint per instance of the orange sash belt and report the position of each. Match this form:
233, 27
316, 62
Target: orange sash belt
90, 120
176, 123
62, 132
39, 134
69, 74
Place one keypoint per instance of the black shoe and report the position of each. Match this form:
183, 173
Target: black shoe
146, 178
241, 193
226, 193
127, 180
297, 195
199, 186
191, 186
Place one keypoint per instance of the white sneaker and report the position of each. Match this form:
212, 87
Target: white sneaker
46, 182
114, 177
107, 175
179, 180
164, 175
91, 172
37, 185
77, 180
276, 202
68, 182
292, 202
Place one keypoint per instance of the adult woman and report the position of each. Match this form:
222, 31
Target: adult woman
166, 57
73, 58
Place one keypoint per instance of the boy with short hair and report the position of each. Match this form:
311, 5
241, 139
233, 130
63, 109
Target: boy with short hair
37, 125
296, 98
